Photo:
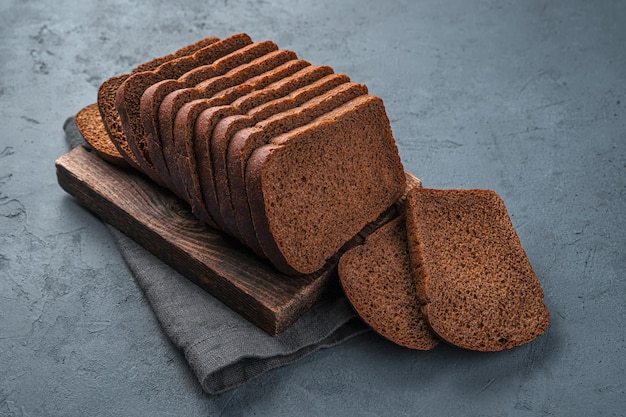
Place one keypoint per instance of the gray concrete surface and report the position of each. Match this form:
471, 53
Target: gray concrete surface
524, 97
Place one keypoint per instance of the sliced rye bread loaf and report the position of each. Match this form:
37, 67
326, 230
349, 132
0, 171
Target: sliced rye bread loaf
475, 284
128, 95
90, 125
152, 97
315, 187
209, 117
245, 141
108, 89
276, 117
183, 162
216, 91
377, 279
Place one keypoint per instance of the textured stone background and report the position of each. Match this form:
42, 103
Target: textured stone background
524, 97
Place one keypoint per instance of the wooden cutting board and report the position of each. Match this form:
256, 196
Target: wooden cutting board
164, 225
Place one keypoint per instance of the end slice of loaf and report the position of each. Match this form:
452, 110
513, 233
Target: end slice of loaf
377, 280
90, 125
314, 188
477, 288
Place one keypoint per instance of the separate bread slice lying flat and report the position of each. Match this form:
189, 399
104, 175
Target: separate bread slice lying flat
377, 280
476, 287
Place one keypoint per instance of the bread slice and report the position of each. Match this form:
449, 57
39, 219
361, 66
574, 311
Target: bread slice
111, 118
275, 117
108, 89
183, 161
234, 84
246, 140
377, 280
210, 117
90, 125
476, 286
187, 159
128, 95
152, 98
315, 187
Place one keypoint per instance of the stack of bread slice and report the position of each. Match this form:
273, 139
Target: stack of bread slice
451, 267
297, 162
288, 157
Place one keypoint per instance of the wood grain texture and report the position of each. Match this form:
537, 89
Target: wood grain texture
164, 225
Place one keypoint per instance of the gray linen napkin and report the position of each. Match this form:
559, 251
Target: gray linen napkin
223, 349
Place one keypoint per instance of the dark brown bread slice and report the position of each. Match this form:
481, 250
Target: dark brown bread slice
153, 96
90, 125
290, 70
476, 286
297, 108
201, 137
128, 95
245, 141
234, 84
238, 67
314, 188
218, 141
111, 118
224, 131
183, 161
209, 118
185, 135
377, 280
108, 89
